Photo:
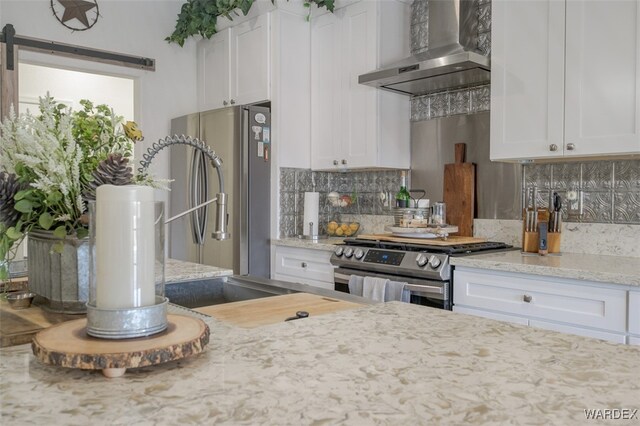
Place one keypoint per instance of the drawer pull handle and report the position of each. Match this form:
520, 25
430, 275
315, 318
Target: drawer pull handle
527, 299
303, 264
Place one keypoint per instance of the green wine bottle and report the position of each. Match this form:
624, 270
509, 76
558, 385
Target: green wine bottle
403, 197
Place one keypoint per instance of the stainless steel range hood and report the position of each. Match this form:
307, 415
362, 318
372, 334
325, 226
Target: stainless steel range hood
447, 57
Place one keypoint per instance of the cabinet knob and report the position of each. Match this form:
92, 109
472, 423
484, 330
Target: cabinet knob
527, 299
344, 161
233, 101
553, 147
335, 162
303, 264
571, 146
225, 103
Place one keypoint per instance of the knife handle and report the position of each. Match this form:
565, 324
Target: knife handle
542, 239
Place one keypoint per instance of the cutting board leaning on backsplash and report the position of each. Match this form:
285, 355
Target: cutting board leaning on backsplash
459, 192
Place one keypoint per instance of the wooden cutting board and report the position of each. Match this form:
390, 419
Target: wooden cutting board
451, 241
18, 326
459, 192
275, 309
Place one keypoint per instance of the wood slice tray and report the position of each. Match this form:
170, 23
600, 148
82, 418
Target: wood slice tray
69, 345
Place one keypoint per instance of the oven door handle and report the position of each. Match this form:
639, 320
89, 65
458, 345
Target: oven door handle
413, 288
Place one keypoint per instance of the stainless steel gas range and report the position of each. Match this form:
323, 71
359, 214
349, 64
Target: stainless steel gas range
423, 266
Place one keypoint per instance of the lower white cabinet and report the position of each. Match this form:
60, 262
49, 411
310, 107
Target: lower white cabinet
583, 308
306, 266
634, 317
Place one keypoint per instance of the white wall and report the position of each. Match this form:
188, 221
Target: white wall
70, 87
131, 27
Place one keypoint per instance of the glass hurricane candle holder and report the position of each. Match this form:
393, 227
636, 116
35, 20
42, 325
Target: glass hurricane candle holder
126, 292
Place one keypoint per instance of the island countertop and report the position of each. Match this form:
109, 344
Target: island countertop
585, 267
178, 271
391, 363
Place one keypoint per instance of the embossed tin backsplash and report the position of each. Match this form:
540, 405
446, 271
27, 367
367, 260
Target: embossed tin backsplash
608, 191
364, 187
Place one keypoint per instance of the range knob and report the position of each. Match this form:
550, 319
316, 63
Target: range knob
358, 254
422, 260
348, 252
338, 251
434, 262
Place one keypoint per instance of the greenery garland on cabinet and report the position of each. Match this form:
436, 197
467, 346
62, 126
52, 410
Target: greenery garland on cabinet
200, 16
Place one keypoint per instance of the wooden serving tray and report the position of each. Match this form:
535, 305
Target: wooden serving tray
69, 345
18, 326
451, 241
275, 309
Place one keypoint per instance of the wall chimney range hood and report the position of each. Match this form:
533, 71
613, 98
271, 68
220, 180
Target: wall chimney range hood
449, 55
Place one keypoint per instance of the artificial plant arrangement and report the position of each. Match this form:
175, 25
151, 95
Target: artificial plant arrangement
200, 16
51, 164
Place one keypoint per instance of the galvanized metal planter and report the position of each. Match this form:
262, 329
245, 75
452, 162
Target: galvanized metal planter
60, 280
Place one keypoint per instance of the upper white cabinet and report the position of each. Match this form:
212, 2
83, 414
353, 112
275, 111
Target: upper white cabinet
234, 67
565, 79
353, 125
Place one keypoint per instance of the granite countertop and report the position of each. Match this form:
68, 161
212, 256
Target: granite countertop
391, 363
328, 244
586, 267
179, 270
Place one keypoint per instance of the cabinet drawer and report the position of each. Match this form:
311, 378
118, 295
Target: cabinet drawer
634, 312
305, 264
557, 300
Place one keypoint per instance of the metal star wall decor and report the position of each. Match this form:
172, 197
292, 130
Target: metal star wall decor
77, 15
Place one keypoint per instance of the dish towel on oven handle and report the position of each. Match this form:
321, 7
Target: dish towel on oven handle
374, 288
397, 291
355, 285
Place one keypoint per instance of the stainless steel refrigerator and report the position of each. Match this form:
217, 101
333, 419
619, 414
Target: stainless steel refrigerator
241, 136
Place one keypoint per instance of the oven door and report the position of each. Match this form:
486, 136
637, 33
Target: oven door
423, 292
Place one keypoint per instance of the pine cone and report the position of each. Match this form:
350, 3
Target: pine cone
9, 186
113, 170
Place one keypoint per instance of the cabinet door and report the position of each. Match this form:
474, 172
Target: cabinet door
602, 77
634, 312
250, 70
326, 111
527, 79
359, 56
213, 71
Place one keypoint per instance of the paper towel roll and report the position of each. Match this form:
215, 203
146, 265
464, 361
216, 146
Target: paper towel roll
311, 207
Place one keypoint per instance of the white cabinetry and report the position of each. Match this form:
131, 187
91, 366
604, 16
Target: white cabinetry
233, 67
584, 308
306, 266
634, 317
353, 125
556, 96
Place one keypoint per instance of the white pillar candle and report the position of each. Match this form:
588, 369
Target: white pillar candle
311, 208
125, 247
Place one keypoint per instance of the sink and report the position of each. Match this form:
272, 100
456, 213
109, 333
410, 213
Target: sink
215, 291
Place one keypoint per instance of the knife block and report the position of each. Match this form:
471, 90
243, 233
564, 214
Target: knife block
530, 239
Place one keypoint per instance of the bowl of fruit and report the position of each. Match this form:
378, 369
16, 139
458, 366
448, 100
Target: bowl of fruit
342, 229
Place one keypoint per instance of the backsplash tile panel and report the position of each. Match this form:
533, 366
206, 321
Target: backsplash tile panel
627, 174
365, 188
611, 189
